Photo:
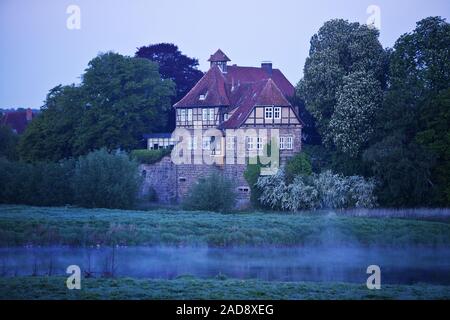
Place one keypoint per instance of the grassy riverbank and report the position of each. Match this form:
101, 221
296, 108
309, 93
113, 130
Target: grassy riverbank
24, 225
189, 288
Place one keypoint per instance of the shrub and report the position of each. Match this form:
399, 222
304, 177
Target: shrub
297, 165
319, 191
149, 156
106, 180
41, 184
251, 175
213, 193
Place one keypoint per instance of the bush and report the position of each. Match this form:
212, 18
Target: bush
213, 193
106, 180
149, 156
298, 165
41, 184
251, 175
319, 191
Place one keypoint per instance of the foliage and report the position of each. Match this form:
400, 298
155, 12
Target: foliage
98, 179
434, 135
52, 135
39, 184
251, 175
214, 193
8, 143
120, 98
105, 180
126, 97
358, 100
149, 156
299, 164
174, 65
402, 158
339, 49
320, 191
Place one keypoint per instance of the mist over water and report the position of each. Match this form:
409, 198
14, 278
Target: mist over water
406, 265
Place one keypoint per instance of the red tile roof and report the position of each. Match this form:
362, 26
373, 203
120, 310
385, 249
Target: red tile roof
17, 120
211, 86
239, 87
261, 93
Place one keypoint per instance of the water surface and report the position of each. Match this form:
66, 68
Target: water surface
311, 263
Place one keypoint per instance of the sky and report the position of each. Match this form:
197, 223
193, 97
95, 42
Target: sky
41, 45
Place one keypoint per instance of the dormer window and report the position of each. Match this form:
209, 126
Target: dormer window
202, 97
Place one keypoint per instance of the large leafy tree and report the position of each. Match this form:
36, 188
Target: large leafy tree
119, 99
339, 49
351, 124
51, 136
126, 97
434, 134
8, 143
406, 153
174, 65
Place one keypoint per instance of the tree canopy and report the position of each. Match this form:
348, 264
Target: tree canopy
119, 99
174, 65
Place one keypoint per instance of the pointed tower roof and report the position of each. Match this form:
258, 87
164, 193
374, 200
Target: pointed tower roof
218, 56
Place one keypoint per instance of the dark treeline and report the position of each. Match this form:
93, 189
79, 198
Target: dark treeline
383, 113
99, 179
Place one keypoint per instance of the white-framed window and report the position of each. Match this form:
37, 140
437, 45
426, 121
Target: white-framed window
192, 143
286, 143
189, 115
277, 113
230, 143
259, 143
183, 115
208, 114
250, 143
225, 116
202, 97
268, 112
206, 143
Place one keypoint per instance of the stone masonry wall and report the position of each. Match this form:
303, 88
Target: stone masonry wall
172, 182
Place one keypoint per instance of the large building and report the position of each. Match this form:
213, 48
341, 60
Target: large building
229, 98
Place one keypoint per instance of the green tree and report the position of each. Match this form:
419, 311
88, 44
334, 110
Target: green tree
51, 136
8, 143
119, 99
352, 123
298, 165
403, 159
337, 50
214, 193
105, 180
126, 97
434, 135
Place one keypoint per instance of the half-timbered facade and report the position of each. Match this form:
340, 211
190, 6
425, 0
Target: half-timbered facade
229, 98
235, 97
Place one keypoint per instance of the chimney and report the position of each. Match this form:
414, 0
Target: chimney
29, 114
267, 66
